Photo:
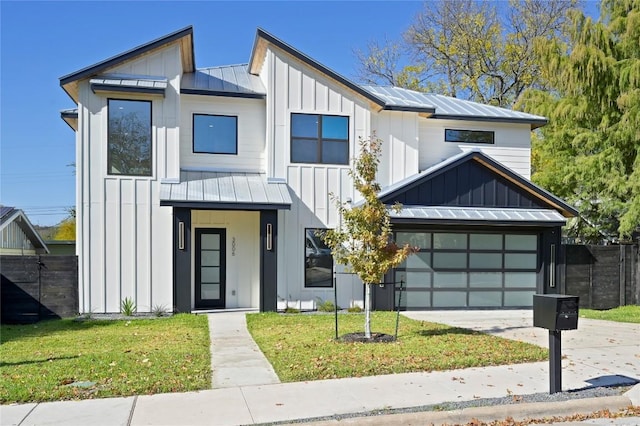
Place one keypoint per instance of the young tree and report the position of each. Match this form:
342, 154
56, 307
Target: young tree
589, 153
363, 242
470, 49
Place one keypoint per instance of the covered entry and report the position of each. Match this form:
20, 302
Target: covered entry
225, 228
487, 237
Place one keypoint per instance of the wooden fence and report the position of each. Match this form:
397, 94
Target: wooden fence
38, 287
603, 276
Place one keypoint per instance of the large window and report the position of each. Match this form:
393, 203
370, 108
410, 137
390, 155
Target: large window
215, 134
318, 262
322, 139
129, 138
469, 136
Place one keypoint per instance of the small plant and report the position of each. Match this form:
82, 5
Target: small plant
354, 309
128, 307
159, 310
327, 306
290, 310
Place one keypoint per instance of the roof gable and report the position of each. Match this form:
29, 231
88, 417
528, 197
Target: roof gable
264, 40
473, 179
10, 215
184, 36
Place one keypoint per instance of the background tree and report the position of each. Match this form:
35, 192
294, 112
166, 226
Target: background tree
363, 242
476, 50
589, 153
66, 229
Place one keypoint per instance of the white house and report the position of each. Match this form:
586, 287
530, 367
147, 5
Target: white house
18, 237
202, 188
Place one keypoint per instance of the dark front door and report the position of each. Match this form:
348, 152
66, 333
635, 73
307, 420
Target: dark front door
210, 268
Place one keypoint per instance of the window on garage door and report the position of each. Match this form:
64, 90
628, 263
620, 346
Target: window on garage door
465, 269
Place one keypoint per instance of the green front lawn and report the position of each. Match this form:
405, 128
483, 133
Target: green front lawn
107, 358
302, 347
622, 314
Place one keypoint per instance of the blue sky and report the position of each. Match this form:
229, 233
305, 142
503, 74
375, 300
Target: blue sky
42, 41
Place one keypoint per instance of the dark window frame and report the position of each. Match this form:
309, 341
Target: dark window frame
193, 134
321, 259
319, 139
449, 136
431, 270
109, 156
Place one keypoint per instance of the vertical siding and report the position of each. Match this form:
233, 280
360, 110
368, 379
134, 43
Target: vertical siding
294, 87
121, 226
512, 145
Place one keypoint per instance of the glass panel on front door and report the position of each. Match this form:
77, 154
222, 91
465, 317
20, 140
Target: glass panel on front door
210, 268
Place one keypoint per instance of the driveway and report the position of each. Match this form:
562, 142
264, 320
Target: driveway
599, 352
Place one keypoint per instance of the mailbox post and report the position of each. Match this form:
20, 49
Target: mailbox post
555, 312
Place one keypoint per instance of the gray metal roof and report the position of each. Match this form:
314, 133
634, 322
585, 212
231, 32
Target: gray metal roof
234, 190
129, 83
478, 214
231, 80
450, 108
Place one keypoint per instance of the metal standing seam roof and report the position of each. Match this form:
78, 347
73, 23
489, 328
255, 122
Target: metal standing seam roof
448, 107
219, 189
133, 83
479, 214
231, 80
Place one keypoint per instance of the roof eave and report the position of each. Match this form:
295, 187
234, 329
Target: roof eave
202, 92
533, 122
69, 82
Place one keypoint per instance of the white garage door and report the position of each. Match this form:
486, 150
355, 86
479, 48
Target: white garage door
468, 269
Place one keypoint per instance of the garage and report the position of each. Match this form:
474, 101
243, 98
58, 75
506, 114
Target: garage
486, 238
469, 269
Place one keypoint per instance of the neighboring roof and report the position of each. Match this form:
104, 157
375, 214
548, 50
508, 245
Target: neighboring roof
259, 50
231, 80
184, 37
10, 214
477, 215
475, 155
446, 107
220, 190
129, 83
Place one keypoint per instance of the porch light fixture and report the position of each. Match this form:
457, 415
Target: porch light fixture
552, 267
180, 235
269, 237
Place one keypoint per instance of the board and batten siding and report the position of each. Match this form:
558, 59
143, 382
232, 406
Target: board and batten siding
242, 254
294, 87
250, 114
124, 237
400, 150
512, 146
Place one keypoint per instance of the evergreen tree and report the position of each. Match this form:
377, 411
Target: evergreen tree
589, 153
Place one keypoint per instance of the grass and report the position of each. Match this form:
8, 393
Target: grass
629, 313
120, 358
302, 347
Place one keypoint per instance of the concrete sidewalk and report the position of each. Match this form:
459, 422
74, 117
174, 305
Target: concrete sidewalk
593, 359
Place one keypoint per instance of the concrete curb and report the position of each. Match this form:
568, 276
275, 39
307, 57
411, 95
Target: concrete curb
533, 410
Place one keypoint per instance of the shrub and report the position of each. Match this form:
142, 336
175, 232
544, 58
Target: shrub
327, 306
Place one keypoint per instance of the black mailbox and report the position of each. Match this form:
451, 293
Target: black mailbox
555, 311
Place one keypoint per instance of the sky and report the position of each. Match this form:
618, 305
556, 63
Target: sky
43, 41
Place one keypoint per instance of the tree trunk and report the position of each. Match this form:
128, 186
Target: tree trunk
367, 311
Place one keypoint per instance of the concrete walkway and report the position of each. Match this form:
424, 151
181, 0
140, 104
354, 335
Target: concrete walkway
595, 359
236, 360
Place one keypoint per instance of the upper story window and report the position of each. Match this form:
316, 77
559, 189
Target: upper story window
215, 134
469, 136
129, 137
317, 138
